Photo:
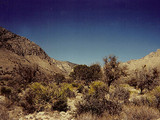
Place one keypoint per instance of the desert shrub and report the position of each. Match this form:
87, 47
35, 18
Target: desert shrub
122, 94
145, 79
69, 80
69, 93
86, 73
112, 70
25, 74
28, 104
98, 88
86, 116
89, 116
75, 85
41, 93
142, 101
92, 105
80, 72
96, 72
4, 115
97, 106
156, 96
141, 113
60, 105
80, 89
66, 90
41, 97
59, 78
6, 90
133, 82
37, 97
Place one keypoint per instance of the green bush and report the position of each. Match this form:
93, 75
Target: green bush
41, 93
66, 90
98, 88
43, 97
38, 96
86, 73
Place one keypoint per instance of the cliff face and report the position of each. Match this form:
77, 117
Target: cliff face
20, 55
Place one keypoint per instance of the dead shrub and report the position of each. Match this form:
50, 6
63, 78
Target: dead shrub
4, 115
89, 116
141, 113
122, 94
97, 106
141, 102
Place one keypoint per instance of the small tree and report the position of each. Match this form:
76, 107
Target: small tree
147, 79
96, 72
59, 78
87, 73
112, 70
80, 72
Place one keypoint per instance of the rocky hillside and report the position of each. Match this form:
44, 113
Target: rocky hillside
20, 55
65, 66
152, 60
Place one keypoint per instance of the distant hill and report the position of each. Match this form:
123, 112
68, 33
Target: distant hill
20, 55
65, 66
151, 60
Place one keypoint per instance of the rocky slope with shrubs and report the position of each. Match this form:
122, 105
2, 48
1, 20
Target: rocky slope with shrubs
34, 86
151, 61
18, 51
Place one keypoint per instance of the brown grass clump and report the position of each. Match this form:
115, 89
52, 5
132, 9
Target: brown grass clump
97, 107
4, 115
141, 113
121, 94
89, 116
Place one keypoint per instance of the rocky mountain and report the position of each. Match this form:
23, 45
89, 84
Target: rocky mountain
65, 66
21, 57
152, 60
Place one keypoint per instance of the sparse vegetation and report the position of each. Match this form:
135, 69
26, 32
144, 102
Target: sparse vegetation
97, 106
141, 113
145, 79
112, 70
121, 94
102, 95
4, 115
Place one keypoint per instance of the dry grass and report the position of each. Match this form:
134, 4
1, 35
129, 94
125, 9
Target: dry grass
141, 113
89, 116
3, 113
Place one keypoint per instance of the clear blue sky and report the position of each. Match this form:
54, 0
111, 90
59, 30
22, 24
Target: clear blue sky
85, 31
